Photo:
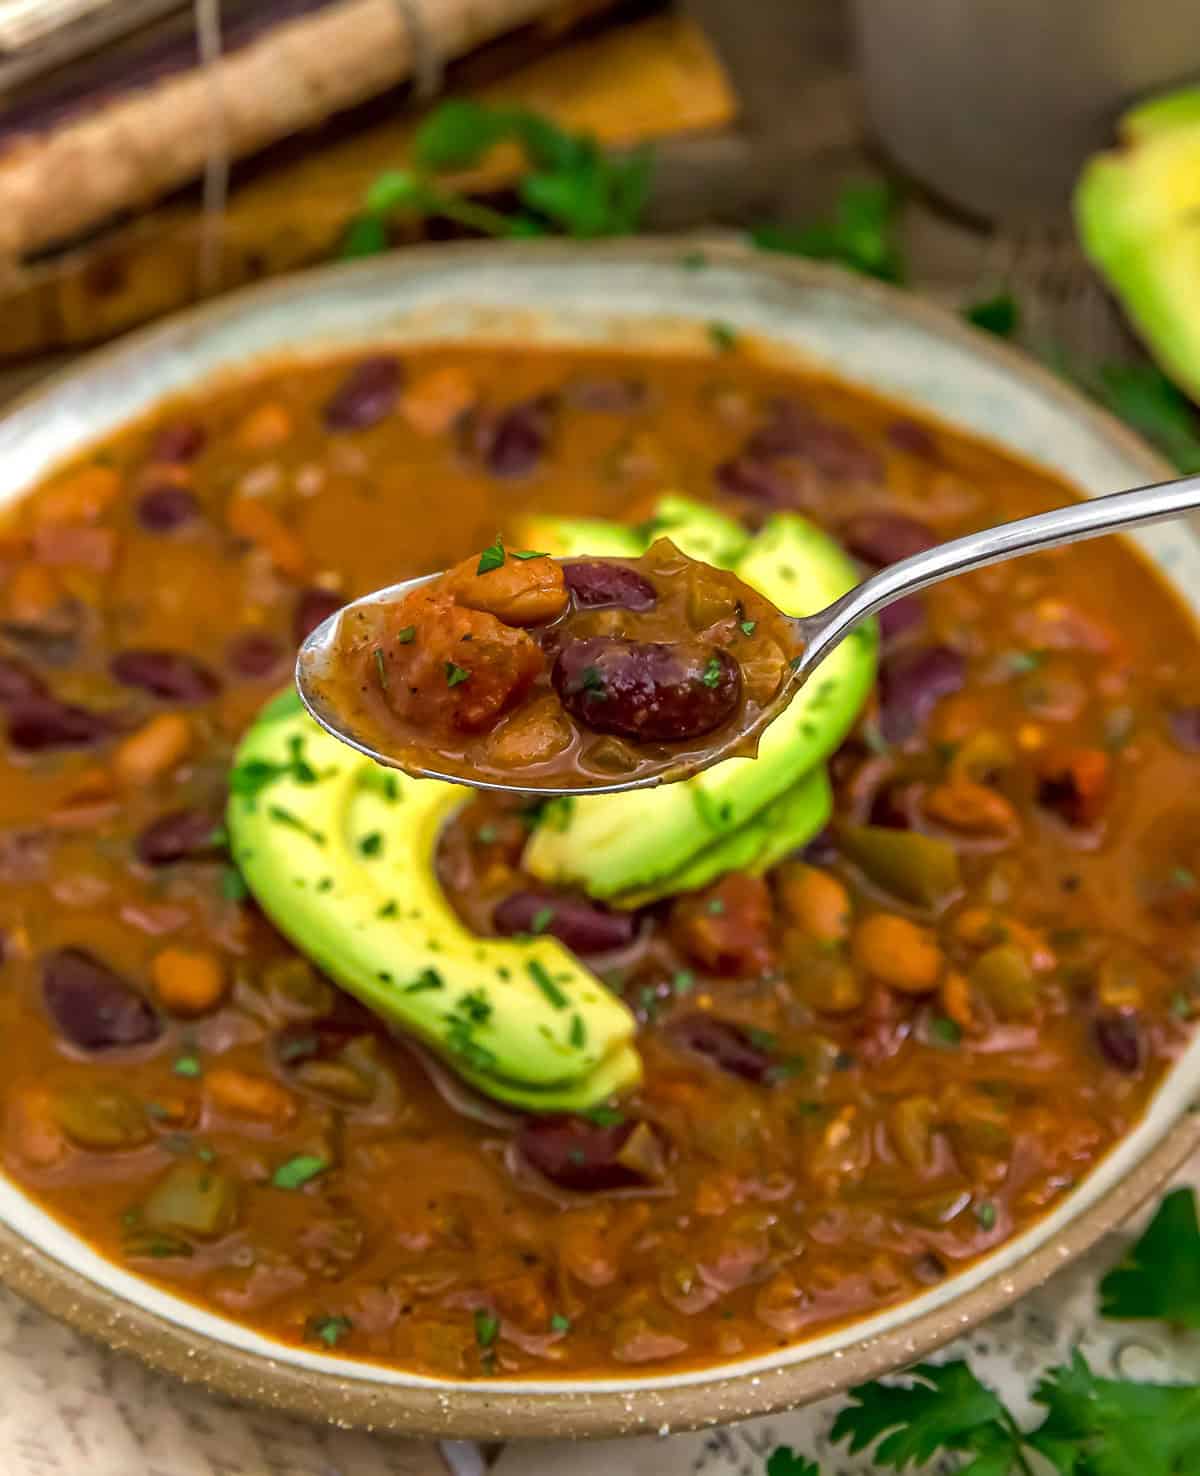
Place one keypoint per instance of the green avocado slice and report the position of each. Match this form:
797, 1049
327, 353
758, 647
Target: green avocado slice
612, 844
339, 853
778, 829
1138, 213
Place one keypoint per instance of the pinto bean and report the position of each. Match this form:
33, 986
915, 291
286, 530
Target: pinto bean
367, 394
164, 509
723, 1043
595, 583
912, 682
577, 1154
172, 675
647, 690
92, 1006
583, 926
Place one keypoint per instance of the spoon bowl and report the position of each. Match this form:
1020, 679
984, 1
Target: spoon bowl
814, 636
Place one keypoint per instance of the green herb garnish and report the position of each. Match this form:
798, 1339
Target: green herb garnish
406, 635
712, 672
985, 1213
233, 885
560, 1324
298, 1171
537, 972
861, 233
748, 627
999, 315
328, 1330
455, 675
529, 553
371, 844
492, 557
487, 1327
187, 1064
578, 1032
541, 919
722, 337
943, 1031
427, 979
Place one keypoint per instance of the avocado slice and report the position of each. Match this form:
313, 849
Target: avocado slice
603, 843
776, 831
339, 853
568, 538
1138, 213
696, 530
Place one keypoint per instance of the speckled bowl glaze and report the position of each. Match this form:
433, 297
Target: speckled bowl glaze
642, 296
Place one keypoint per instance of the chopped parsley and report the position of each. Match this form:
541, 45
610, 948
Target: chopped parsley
298, 1171
591, 679
529, 553
328, 1330
715, 907
427, 979
233, 885
187, 1064
487, 1327
712, 672
749, 627
1020, 662
605, 1117
722, 337
248, 780
455, 675
541, 919
390, 908
406, 635
683, 982
372, 844
486, 835
537, 972
943, 1031
578, 1033
492, 557
381, 668
985, 1213
560, 1324
286, 817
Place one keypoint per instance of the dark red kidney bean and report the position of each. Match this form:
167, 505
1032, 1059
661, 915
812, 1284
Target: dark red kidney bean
822, 850
254, 655
723, 1043
313, 608
181, 835
758, 480
1120, 1041
367, 394
886, 538
598, 583
576, 1154
163, 509
617, 396
168, 674
581, 925
903, 615
512, 442
911, 436
894, 806
647, 690
1184, 724
836, 451
911, 683
39, 724
18, 683
93, 1007
180, 440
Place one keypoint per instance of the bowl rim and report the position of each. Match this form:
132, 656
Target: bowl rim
480, 1410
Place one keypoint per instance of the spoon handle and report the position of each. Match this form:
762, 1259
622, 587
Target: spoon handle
1087, 519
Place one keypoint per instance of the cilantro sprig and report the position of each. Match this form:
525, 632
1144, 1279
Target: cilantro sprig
569, 186
860, 233
1160, 1277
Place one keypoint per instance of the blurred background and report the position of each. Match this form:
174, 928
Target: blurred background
156, 152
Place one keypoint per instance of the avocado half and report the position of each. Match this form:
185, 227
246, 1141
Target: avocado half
647, 843
339, 853
1138, 213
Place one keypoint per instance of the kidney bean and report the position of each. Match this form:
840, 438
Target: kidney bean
178, 836
1120, 1041
886, 538
254, 655
912, 682
595, 583
1184, 724
723, 1043
172, 675
911, 436
581, 925
18, 683
38, 724
313, 608
836, 451
617, 396
577, 1154
179, 440
512, 442
759, 480
92, 1006
899, 618
367, 394
822, 850
163, 509
647, 690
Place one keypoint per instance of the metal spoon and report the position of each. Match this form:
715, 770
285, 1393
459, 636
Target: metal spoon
815, 635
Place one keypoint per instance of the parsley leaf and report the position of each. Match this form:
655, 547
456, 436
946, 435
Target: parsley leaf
1160, 1276
1146, 398
1109, 1427
944, 1408
1000, 315
787, 1462
723, 337
406, 635
492, 557
297, 1171
537, 972
712, 672
328, 1330
860, 234
529, 553
455, 675
487, 1327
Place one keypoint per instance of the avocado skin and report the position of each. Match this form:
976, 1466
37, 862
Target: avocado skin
1137, 209
600, 843
371, 914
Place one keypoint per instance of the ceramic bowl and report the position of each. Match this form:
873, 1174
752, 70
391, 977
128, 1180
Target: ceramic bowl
640, 295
